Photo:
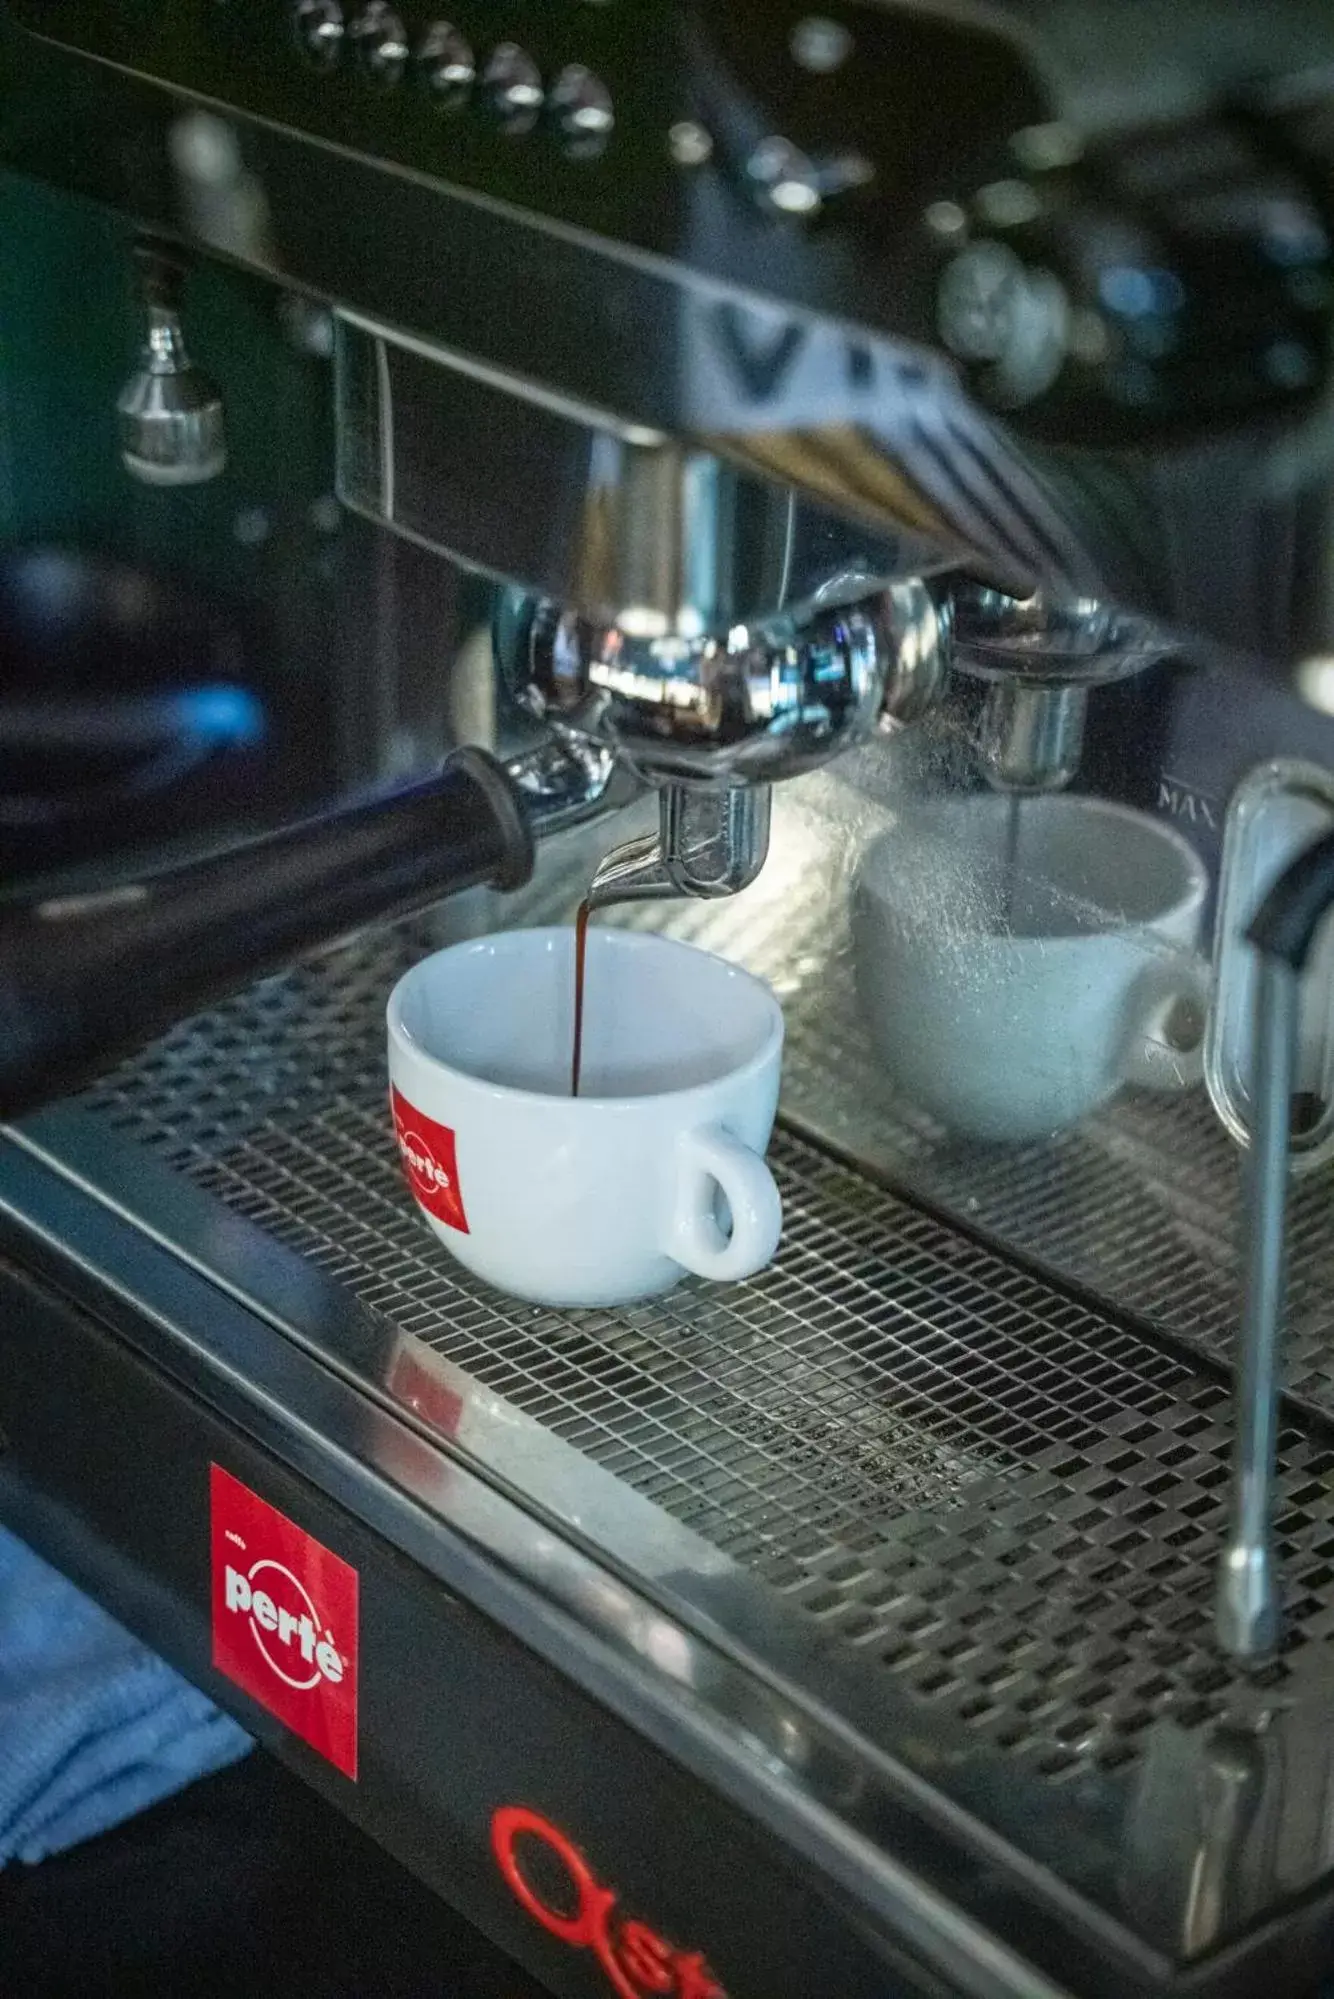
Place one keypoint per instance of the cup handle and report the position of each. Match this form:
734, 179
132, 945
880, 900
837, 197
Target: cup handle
707, 1158
1154, 1063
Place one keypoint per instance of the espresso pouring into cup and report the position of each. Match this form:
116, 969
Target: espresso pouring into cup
654, 1170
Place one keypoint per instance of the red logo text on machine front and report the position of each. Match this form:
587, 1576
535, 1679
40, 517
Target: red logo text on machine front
637, 1961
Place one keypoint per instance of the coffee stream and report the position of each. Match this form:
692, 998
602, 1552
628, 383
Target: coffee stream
580, 952
1011, 876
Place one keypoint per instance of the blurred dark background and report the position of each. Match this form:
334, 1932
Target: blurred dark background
197, 660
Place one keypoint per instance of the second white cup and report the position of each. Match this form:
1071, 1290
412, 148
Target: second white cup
1009, 1001
656, 1168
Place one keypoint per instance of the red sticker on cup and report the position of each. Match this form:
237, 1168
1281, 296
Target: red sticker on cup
429, 1163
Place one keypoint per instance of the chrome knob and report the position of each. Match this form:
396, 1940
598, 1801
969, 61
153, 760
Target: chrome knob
319, 29
169, 414
446, 64
580, 107
512, 83
1008, 320
787, 181
784, 178
380, 41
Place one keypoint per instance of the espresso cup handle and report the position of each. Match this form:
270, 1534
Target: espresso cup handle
1150, 1061
709, 1158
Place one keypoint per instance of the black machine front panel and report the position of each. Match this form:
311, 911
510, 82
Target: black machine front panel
898, 168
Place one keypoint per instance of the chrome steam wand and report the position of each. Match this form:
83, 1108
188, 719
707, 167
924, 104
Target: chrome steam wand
1248, 1615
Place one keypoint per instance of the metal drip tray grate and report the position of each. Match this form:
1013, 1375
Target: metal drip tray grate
1007, 1499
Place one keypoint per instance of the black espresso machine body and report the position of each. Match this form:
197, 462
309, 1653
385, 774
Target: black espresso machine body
848, 1631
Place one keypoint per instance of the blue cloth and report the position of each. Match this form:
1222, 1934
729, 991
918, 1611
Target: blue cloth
93, 1727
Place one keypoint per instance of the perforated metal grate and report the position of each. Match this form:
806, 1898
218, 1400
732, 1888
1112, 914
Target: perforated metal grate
1007, 1498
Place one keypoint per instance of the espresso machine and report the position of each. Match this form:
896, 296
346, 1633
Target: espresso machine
734, 429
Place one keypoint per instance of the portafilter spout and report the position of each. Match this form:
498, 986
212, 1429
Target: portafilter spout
1040, 657
708, 844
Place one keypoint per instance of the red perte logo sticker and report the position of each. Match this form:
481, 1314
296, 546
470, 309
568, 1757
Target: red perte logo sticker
636, 1960
429, 1165
285, 1620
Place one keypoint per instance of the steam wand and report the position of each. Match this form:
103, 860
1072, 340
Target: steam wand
1248, 1615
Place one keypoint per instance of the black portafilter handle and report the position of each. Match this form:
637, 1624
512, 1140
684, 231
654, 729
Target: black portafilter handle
1286, 922
86, 979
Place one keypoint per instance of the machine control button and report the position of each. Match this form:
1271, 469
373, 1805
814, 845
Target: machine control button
820, 45
579, 105
785, 180
689, 144
381, 43
446, 63
788, 182
512, 83
319, 30
1005, 317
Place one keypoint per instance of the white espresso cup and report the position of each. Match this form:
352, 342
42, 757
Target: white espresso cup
655, 1168
1010, 1002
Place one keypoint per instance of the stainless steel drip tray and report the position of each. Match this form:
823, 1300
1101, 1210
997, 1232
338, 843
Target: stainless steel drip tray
959, 1514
